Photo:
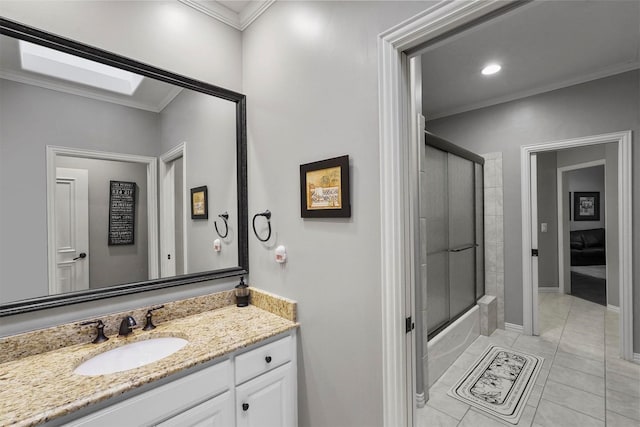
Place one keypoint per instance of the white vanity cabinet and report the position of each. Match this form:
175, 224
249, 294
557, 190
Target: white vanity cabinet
216, 412
265, 391
267, 401
186, 395
253, 387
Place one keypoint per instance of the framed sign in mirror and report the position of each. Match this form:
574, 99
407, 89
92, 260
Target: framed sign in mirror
134, 139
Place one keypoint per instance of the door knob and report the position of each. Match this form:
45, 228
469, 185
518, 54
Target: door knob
245, 406
81, 256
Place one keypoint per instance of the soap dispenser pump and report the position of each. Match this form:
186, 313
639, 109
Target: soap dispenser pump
242, 294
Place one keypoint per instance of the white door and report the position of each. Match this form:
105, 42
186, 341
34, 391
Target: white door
216, 412
71, 230
534, 243
173, 211
267, 401
167, 235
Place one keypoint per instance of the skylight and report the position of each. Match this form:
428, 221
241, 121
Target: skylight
50, 62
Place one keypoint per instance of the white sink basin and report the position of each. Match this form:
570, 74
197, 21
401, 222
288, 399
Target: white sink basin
130, 356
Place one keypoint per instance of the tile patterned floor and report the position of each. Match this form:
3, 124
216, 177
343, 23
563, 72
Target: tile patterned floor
583, 383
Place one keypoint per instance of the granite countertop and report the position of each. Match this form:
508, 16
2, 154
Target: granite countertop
41, 387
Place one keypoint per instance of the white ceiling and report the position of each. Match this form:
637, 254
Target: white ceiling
151, 95
542, 46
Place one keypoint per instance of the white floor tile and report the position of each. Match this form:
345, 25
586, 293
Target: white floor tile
550, 414
579, 341
624, 404
580, 380
431, 417
572, 398
617, 420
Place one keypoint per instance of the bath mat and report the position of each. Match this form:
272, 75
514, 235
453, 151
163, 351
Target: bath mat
499, 382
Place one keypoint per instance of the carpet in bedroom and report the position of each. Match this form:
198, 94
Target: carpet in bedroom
588, 287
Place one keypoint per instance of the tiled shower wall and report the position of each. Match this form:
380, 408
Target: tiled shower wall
493, 231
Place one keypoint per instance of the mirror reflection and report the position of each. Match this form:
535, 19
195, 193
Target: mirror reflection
96, 170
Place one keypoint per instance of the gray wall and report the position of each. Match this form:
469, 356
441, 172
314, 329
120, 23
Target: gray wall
111, 265
606, 105
191, 44
587, 179
547, 213
36, 118
312, 94
208, 126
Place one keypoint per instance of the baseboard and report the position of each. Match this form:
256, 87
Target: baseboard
552, 289
513, 327
636, 358
613, 308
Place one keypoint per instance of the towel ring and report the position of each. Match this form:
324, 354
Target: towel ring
225, 217
267, 215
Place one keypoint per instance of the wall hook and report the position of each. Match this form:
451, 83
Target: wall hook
267, 215
225, 217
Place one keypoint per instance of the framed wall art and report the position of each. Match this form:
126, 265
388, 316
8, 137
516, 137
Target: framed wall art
324, 189
199, 203
122, 213
586, 206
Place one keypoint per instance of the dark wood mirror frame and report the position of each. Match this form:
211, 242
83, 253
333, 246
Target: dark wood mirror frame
23, 32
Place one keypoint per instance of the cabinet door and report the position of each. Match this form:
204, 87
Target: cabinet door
267, 400
216, 412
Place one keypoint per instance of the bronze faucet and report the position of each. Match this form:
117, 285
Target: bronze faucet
127, 325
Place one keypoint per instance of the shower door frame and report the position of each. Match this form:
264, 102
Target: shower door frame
450, 148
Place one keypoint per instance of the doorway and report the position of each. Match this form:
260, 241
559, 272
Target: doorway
99, 253
398, 187
529, 153
588, 219
173, 212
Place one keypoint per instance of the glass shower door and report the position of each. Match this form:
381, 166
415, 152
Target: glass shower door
452, 194
462, 247
437, 242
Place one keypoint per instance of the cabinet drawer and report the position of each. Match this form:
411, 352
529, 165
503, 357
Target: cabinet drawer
263, 359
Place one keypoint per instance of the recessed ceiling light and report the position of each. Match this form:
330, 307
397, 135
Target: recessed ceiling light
50, 62
491, 69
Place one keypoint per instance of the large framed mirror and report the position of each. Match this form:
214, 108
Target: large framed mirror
116, 177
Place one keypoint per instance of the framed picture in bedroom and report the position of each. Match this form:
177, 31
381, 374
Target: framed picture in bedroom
586, 206
324, 189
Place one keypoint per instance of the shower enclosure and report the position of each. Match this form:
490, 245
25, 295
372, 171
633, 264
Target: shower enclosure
453, 195
451, 276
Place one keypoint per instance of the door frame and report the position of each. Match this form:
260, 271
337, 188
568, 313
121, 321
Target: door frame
167, 202
398, 180
152, 200
625, 241
560, 204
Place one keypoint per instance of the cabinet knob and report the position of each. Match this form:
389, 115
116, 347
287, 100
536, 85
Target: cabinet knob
245, 406
268, 359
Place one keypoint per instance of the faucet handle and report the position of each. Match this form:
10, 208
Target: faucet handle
100, 337
149, 323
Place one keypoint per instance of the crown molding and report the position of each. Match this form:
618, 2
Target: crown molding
252, 12
239, 21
